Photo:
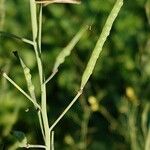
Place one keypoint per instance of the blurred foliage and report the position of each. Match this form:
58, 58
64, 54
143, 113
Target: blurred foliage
114, 111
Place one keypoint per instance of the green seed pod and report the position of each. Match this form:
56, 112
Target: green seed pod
99, 45
67, 50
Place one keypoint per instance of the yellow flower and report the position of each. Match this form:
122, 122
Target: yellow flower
93, 103
130, 93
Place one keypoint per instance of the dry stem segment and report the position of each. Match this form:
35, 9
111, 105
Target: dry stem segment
46, 2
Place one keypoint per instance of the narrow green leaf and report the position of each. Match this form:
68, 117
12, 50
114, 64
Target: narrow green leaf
28, 77
67, 50
98, 48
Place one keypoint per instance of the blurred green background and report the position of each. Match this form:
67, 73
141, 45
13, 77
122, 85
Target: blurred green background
114, 111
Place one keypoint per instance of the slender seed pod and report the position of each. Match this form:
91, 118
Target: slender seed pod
98, 48
28, 77
67, 50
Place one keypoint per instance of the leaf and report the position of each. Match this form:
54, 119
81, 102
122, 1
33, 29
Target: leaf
99, 45
67, 50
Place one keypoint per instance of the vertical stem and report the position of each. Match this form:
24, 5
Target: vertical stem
43, 86
52, 140
132, 128
40, 28
147, 142
84, 128
2, 14
37, 30
45, 118
84, 123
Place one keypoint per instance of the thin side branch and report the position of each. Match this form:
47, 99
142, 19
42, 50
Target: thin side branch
21, 90
66, 110
35, 146
51, 76
16, 37
46, 2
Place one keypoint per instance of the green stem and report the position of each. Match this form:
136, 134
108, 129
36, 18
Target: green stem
52, 140
40, 28
132, 128
43, 86
21, 90
66, 110
10, 35
45, 118
147, 143
108, 116
37, 29
84, 123
51, 76
2, 14
36, 146
41, 124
